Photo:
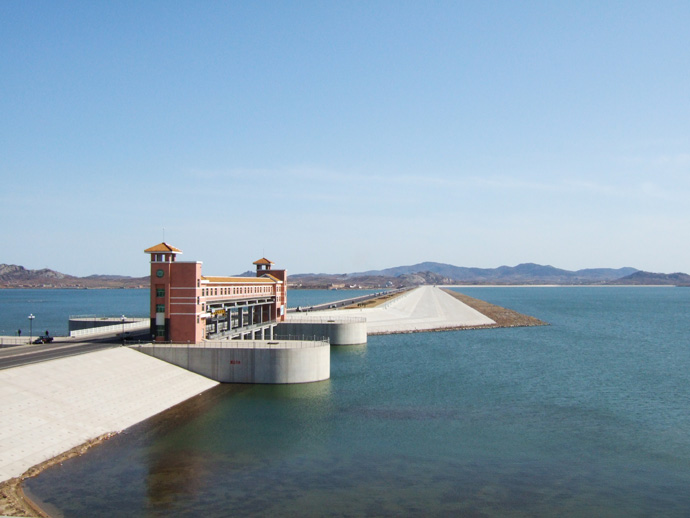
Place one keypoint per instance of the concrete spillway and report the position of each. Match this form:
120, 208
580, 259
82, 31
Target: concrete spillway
53, 406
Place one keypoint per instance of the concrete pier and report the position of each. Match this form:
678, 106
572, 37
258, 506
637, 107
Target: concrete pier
339, 330
247, 361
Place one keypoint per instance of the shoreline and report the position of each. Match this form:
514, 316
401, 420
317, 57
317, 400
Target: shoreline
503, 318
561, 286
80, 401
15, 502
13, 499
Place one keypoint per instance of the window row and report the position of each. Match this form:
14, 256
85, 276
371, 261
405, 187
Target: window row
236, 290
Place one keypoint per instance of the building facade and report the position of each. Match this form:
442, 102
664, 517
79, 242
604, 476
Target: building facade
187, 306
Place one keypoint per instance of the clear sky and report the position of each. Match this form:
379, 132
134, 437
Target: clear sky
345, 136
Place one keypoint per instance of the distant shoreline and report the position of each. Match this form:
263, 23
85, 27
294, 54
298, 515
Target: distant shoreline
298, 288
562, 286
79, 288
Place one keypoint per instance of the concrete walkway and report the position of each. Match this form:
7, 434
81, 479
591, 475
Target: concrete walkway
50, 407
425, 308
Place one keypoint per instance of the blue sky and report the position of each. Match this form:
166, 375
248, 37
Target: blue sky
345, 136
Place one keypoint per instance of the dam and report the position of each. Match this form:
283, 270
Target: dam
425, 308
53, 406
56, 405
203, 330
249, 361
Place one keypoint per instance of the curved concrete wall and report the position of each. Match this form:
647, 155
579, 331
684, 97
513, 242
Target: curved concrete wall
338, 333
252, 364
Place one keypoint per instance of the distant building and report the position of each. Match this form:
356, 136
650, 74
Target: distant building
187, 306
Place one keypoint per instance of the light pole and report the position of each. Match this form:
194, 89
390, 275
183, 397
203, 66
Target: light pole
31, 327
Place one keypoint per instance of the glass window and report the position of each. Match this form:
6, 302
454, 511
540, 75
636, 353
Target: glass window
160, 292
160, 308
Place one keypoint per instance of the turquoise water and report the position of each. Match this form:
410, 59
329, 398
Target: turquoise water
589, 416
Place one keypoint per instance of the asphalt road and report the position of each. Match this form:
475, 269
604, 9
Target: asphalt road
24, 355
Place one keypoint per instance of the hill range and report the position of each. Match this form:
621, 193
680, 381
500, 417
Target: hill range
12, 276
522, 274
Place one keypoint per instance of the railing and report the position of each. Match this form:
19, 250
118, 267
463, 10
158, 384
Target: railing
303, 342
115, 328
298, 319
300, 338
388, 304
16, 340
345, 302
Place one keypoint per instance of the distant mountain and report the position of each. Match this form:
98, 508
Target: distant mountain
10, 272
13, 276
527, 273
647, 278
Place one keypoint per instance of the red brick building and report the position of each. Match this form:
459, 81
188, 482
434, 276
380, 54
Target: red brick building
187, 306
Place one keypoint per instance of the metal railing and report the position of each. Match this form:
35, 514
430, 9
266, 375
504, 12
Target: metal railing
389, 303
303, 342
115, 328
6, 341
343, 303
308, 319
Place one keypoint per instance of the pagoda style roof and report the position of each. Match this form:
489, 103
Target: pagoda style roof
263, 261
162, 247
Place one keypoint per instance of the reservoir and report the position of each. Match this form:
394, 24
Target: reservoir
586, 417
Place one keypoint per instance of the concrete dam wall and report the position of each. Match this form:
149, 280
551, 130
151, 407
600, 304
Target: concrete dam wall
270, 362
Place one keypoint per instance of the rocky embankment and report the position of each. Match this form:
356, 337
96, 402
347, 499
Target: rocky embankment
13, 501
502, 316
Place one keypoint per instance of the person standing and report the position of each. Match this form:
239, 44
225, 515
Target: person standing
19, 332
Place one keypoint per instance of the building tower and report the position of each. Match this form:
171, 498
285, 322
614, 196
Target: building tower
187, 306
264, 267
163, 256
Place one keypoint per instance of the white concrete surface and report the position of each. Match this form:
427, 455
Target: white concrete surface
340, 331
250, 361
50, 407
424, 308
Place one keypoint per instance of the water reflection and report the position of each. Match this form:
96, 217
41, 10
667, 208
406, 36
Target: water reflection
232, 430
569, 420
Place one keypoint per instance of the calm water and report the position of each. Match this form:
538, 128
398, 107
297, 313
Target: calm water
587, 417
52, 308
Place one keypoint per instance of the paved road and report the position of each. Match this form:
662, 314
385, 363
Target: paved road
62, 347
